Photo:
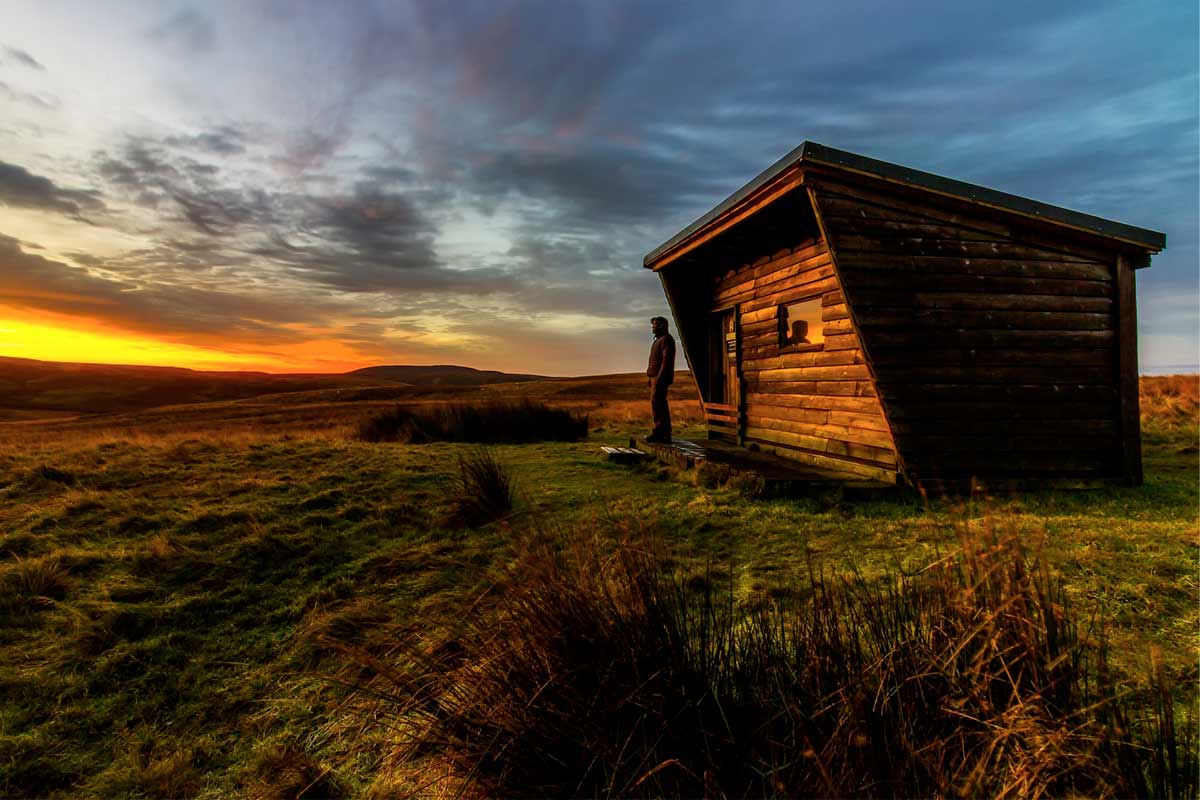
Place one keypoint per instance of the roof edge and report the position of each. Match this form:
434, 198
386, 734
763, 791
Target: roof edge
819, 154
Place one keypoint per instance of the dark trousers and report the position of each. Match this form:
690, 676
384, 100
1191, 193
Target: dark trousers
661, 411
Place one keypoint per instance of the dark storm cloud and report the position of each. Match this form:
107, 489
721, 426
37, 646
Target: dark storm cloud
616, 134
33, 281
187, 28
376, 238
20, 188
23, 58
223, 141
184, 190
35, 100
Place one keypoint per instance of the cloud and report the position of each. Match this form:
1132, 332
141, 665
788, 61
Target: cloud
20, 188
35, 100
225, 140
188, 29
23, 58
347, 148
157, 307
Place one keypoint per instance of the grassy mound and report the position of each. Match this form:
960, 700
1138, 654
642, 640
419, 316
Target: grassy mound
593, 675
496, 422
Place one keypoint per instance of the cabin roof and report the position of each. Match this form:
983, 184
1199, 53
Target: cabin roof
819, 154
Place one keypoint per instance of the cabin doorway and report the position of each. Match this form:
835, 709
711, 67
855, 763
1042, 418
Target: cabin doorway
725, 393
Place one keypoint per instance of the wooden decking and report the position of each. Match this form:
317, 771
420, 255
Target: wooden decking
782, 478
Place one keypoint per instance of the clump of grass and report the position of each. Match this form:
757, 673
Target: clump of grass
55, 475
484, 492
291, 774
493, 422
30, 582
593, 674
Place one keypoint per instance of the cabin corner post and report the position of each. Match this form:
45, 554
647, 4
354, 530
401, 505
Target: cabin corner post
1127, 372
901, 468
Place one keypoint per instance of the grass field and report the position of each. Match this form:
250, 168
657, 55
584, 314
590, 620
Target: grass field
173, 577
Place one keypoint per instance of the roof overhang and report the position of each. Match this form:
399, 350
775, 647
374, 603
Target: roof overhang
787, 174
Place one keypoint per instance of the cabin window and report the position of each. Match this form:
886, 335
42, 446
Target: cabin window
800, 325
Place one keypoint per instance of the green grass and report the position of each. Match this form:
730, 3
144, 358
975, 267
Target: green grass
169, 605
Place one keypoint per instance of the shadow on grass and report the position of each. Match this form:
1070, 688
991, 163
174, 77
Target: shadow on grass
496, 422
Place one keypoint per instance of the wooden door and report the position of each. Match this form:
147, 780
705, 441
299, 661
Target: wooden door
729, 358
723, 406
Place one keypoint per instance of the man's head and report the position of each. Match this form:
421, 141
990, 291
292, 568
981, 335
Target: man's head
658, 325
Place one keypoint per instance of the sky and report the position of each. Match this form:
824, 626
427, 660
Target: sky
294, 186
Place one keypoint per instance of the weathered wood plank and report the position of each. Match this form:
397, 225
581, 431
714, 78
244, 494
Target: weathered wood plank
840, 433
790, 292
978, 301
1001, 320
815, 416
1015, 464
743, 282
900, 339
918, 246
912, 281
981, 356
839, 388
1127, 372
950, 414
804, 251
811, 358
1003, 443
1013, 267
876, 455
969, 393
821, 402
956, 212
832, 312
850, 419
841, 341
866, 470
986, 424
805, 272
1007, 374
847, 372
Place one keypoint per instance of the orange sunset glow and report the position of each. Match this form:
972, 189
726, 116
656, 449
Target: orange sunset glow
57, 338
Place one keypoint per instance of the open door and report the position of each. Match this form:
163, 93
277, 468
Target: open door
725, 391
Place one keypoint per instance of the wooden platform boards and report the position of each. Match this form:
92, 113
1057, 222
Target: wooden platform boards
623, 455
782, 478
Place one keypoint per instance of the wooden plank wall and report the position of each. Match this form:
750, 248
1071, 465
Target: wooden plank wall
819, 406
994, 348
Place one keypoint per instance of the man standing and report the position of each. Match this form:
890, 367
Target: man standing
660, 375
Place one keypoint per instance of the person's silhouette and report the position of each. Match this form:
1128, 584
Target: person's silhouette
799, 332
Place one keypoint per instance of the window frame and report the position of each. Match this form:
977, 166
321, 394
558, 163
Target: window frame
781, 326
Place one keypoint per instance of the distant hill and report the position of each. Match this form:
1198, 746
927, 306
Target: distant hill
49, 386
441, 375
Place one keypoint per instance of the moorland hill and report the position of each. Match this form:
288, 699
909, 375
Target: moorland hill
28, 385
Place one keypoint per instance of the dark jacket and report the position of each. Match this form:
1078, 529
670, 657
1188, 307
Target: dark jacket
662, 360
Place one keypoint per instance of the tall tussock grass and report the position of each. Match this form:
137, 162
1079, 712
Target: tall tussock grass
491, 422
587, 672
484, 492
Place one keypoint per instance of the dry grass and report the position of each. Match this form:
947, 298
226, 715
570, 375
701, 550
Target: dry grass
588, 672
1170, 400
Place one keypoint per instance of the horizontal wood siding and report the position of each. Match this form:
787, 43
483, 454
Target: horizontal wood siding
816, 406
994, 348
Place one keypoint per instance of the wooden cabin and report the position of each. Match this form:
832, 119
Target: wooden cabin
853, 314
